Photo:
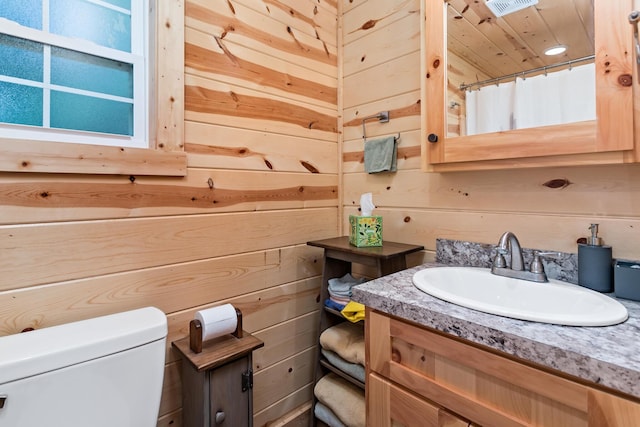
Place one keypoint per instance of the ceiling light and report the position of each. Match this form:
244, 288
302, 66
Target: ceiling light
555, 50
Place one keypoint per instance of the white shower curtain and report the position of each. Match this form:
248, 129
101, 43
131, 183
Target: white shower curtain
564, 96
490, 109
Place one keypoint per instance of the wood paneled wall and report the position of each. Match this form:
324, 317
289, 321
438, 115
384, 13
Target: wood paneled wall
261, 138
273, 135
547, 208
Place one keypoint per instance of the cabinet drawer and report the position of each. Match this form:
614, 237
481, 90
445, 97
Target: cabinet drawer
479, 385
394, 406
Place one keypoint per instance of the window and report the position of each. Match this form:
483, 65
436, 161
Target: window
75, 71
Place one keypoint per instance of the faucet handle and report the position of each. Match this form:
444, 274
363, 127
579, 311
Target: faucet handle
499, 260
536, 264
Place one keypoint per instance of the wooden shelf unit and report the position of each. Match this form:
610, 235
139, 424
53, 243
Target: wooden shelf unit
339, 256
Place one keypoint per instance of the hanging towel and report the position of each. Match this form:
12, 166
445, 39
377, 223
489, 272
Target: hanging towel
380, 155
353, 311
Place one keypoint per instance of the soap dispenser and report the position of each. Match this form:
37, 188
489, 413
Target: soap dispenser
595, 269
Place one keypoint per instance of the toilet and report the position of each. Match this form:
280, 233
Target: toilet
100, 372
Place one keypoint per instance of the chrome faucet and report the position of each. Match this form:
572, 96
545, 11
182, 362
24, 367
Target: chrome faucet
509, 244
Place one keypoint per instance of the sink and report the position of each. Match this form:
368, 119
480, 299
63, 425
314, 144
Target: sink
555, 302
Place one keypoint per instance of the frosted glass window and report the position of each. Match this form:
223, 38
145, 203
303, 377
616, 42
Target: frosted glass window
89, 21
24, 12
26, 58
71, 111
51, 78
88, 72
125, 4
21, 105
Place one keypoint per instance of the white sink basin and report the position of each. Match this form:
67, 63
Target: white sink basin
554, 302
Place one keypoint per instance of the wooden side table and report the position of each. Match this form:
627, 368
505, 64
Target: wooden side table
339, 256
217, 383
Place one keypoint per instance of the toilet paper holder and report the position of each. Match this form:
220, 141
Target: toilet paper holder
195, 332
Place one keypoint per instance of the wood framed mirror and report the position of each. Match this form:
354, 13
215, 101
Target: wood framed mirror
612, 129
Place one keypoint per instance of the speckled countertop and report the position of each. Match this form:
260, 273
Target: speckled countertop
608, 355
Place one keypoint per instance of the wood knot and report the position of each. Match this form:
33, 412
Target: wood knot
559, 183
132, 178
436, 63
407, 219
625, 80
308, 166
369, 24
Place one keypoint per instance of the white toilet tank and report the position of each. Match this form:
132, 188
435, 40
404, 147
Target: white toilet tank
102, 372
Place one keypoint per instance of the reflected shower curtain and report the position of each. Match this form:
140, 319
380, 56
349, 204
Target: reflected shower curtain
491, 108
564, 96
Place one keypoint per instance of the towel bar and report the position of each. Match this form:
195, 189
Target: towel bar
382, 116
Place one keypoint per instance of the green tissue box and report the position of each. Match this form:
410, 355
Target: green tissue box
365, 230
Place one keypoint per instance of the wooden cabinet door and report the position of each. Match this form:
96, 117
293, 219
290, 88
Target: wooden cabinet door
228, 400
481, 386
487, 388
390, 406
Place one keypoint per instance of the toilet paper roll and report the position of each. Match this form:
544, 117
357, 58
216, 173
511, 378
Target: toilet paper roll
217, 321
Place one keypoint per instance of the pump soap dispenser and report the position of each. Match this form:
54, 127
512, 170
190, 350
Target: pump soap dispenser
595, 269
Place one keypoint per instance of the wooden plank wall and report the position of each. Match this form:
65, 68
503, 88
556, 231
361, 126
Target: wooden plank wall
261, 137
547, 208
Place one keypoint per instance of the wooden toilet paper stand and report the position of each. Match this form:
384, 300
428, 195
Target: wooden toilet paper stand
195, 332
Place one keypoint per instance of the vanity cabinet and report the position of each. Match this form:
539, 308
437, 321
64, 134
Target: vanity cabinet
607, 140
400, 408
417, 374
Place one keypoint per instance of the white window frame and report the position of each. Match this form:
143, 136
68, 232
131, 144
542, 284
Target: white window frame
139, 58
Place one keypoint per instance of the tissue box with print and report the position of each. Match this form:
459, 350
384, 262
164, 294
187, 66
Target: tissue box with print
365, 230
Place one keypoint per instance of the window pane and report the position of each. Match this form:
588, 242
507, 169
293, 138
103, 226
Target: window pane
125, 4
106, 27
79, 112
82, 71
25, 12
20, 105
20, 58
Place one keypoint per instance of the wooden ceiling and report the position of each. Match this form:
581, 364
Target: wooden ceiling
515, 43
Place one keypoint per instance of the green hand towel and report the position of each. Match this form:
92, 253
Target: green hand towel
380, 155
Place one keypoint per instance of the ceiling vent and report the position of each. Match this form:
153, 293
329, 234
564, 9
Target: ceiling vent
505, 7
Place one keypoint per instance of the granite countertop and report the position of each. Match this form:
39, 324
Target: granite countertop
606, 355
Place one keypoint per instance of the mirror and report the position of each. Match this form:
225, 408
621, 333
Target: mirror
498, 75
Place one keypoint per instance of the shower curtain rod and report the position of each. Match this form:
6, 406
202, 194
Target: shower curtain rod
523, 73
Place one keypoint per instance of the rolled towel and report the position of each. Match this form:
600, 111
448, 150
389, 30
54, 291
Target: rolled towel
344, 399
346, 339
